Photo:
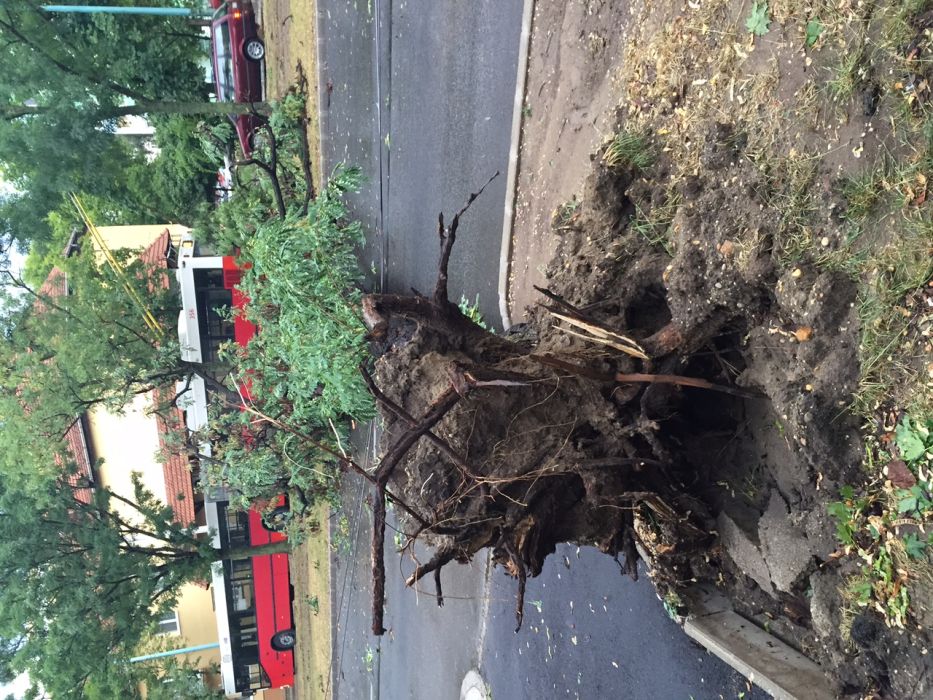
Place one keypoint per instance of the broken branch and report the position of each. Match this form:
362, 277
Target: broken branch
448, 237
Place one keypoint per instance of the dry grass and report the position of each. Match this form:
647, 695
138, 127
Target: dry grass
841, 136
310, 569
290, 33
697, 66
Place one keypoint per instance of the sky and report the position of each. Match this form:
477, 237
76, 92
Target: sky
17, 688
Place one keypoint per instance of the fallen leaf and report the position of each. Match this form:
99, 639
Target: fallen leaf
899, 474
803, 334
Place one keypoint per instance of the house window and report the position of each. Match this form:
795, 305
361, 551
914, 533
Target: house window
168, 624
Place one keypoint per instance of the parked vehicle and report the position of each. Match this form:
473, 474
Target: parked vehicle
237, 54
253, 605
252, 597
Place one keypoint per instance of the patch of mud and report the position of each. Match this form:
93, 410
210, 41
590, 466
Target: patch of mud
742, 235
768, 467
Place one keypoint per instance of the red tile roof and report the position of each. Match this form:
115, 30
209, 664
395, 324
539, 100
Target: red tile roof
156, 256
56, 285
77, 445
179, 490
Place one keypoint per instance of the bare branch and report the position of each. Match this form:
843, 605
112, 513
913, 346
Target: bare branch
448, 237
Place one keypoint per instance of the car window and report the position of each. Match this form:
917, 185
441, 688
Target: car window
224, 61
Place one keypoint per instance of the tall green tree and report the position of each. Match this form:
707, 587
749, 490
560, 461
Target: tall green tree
67, 80
83, 583
77, 342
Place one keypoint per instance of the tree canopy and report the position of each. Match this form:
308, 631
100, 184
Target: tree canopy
84, 583
67, 81
74, 343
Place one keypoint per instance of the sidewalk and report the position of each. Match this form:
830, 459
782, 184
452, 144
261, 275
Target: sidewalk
568, 109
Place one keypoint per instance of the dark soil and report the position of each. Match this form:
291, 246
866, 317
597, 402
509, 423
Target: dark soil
710, 486
742, 278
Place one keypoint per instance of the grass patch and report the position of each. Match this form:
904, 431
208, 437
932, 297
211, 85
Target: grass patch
790, 192
290, 33
310, 564
863, 193
849, 74
892, 358
654, 224
888, 527
629, 148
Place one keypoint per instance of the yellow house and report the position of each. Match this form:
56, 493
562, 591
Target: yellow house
135, 441
128, 443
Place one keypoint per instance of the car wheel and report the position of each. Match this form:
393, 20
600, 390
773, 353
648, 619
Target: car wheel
254, 50
284, 640
277, 519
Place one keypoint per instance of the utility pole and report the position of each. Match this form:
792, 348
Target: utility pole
122, 10
175, 652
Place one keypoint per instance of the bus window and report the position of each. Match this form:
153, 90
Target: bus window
241, 586
237, 528
212, 301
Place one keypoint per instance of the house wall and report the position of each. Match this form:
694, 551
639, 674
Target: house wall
129, 442
126, 443
197, 624
139, 237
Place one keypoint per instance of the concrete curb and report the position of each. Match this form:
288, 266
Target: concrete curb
511, 182
762, 658
473, 687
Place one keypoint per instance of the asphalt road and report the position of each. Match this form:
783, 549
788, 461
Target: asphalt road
418, 94
589, 633
420, 97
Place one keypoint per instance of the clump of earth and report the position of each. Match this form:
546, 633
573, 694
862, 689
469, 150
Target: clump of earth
727, 486
730, 260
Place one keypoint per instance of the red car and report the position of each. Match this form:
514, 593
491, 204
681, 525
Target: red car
237, 55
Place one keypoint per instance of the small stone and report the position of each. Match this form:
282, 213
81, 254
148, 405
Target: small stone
784, 547
744, 552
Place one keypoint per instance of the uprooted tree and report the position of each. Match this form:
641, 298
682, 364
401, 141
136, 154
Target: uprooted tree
494, 442
490, 441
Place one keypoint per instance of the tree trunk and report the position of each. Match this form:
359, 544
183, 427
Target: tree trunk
14, 111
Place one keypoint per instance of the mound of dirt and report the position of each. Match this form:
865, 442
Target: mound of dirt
556, 439
784, 231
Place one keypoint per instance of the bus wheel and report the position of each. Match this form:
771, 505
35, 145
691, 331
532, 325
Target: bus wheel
277, 519
284, 640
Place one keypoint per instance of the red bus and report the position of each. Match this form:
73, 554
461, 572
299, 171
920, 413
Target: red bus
252, 597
